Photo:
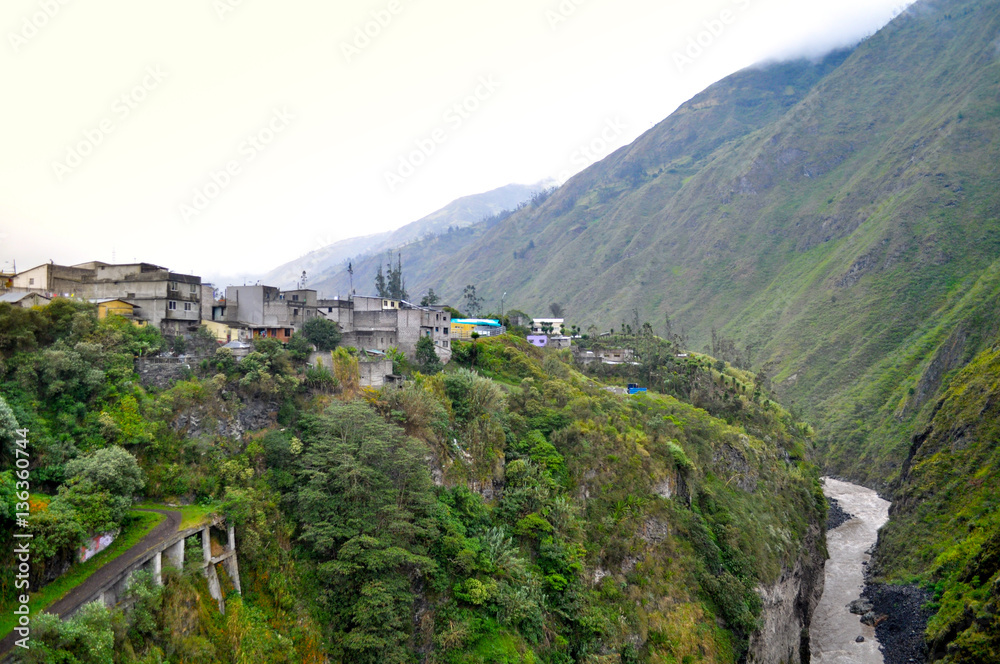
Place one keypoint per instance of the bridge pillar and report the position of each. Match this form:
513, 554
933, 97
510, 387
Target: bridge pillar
214, 589
232, 567
157, 568
175, 554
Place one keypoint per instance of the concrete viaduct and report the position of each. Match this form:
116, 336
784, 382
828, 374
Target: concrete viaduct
164, 545
170, 551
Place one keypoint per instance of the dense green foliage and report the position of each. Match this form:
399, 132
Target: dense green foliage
68, 379
836, 225
364, 501
426, 357
323, 333
832, 224
528, 516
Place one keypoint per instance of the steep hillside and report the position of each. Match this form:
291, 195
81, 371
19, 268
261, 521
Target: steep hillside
330, 260
518, 513
944, 528
675, 150
845, 226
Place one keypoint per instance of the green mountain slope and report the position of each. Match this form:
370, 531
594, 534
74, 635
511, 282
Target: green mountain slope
944, 527
842, 219
678, 147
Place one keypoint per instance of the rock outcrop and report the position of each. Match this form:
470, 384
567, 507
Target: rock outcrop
788, 607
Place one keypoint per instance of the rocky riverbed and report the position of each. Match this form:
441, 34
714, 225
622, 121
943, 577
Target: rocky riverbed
836, 516
900, 620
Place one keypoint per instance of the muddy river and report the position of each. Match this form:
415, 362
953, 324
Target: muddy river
834, 629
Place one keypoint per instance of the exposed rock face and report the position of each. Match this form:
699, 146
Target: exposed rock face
788, 608
226, 419
161, 372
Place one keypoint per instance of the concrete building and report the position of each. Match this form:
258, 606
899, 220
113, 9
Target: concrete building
604, 356
167, 300
550, 341
264, 311
381, 323
560, 341
556, 325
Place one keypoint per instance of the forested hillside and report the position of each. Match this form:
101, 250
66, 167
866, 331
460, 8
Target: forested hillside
516, 512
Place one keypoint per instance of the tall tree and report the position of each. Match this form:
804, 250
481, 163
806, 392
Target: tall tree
395, 283
365, 500
473, 303
427, 358
430, 299
322, 332
380, 287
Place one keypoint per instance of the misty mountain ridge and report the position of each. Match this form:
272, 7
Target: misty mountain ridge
463, 212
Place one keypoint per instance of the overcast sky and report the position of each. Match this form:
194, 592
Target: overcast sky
229, 136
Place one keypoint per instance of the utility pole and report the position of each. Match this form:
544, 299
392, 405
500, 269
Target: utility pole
501, 305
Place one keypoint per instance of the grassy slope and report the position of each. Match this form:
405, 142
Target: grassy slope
680, 146
945, 528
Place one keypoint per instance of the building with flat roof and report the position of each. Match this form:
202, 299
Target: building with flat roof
170, 301
382, 323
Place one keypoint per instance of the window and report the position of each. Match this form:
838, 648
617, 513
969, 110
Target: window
187, 306
192, 288
437, 329
295, 298
295, 312
329, 310
174, 286
446, 330
31, 281
171, 305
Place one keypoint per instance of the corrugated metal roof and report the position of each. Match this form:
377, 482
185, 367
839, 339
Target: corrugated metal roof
476, 321
14, 298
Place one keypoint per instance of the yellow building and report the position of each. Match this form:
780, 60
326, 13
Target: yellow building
115, 307
226, 332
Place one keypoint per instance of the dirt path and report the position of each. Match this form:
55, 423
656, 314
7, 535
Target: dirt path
74, 598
